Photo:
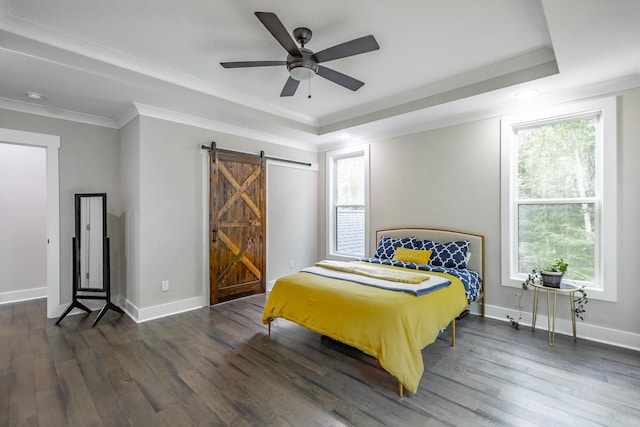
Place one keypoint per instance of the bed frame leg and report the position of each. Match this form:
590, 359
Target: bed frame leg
453, 332
400, 389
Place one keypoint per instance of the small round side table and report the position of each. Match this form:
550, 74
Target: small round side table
566, 289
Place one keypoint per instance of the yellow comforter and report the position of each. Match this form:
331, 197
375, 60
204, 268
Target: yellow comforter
392, 326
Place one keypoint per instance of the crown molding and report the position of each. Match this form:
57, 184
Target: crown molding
136, 109
128, 114
56, 113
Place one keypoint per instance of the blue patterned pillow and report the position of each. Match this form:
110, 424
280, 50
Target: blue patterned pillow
387, 246
449, 255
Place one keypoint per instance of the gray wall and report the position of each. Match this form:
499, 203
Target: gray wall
170, 211
152, 173
170, 207
450, 178
130, 217
89, 161
292, 218
447, 178
158, 195
624, 315
23, 221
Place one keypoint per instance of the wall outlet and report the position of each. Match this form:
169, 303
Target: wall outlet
291, 264
165, 285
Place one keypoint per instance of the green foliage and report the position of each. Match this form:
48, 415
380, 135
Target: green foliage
515, 324
579, 309
559, 266
532, 278
579, 303
557, 160
556, 178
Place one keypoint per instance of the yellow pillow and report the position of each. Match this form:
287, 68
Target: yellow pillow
412, 255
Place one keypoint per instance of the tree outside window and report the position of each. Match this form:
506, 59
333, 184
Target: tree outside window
556, 196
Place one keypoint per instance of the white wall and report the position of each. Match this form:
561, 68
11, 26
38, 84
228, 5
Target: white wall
23, 222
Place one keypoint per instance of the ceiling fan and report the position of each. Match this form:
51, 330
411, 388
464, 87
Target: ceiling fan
303, 63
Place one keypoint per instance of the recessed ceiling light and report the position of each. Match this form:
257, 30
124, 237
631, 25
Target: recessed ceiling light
344, 136
34, 95
527, 93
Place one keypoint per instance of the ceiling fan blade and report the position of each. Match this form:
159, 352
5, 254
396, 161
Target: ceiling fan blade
350, 48
339, 78
290, 87
277, 30
243, 64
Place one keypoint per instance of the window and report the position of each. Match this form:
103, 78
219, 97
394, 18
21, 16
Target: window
559, 194
348, 201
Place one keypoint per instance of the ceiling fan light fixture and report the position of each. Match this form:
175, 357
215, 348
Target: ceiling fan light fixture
302, 72
302, 68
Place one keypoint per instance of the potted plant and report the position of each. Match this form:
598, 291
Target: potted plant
552, 275
536, 277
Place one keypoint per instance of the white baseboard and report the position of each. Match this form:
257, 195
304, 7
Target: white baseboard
563, 326
24, 295
140, 315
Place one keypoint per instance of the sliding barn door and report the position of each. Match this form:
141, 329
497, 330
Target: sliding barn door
237, 226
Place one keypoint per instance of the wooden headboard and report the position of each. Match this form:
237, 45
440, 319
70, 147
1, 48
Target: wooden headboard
476, 245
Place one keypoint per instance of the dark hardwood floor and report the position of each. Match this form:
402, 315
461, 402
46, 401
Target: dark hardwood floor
216, 366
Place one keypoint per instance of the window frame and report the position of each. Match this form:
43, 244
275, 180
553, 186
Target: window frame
606, 190
331, 158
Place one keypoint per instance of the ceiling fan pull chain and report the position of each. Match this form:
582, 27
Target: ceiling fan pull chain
309, 85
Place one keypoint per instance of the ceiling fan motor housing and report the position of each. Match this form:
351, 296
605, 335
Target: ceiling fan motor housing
304, 67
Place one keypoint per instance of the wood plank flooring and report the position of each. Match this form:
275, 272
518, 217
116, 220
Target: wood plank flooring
217, 367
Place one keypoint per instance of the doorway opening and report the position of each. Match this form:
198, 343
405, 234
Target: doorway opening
51, 144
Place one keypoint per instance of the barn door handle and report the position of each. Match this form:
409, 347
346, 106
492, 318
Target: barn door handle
215, 234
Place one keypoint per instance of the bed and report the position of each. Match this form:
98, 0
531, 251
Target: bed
357, 303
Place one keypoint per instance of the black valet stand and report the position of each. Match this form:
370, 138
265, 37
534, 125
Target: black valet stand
88, 226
